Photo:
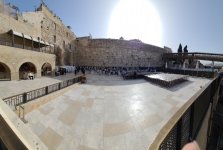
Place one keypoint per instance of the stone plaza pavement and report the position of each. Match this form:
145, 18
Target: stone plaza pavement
108, 113
11, 88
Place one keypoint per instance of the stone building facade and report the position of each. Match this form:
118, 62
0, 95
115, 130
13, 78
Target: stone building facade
117, 53
43, 31
53, 31
21, 47
8, 23
14, 63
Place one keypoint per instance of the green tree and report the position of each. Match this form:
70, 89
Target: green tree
180, 49
185, 49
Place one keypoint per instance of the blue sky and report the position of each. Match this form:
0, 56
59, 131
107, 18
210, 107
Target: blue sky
196, 23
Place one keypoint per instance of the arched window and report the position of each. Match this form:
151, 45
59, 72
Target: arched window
5, 73
46, 69
26, 68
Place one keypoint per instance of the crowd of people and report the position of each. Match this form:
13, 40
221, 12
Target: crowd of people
121, 71
117, 70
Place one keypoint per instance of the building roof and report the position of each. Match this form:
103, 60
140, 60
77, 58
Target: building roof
29, 38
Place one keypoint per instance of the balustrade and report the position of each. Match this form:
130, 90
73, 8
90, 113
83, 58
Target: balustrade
34, 94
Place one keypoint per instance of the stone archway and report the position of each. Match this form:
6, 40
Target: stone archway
25, 68
5, 73
46, 69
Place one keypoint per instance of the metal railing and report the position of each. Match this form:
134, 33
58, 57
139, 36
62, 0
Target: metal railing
34, 94
44, 49
197, 73
195, 55
188, 126
22, 113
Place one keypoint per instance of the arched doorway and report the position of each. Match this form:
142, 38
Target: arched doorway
46, 69
26, 68
4, 72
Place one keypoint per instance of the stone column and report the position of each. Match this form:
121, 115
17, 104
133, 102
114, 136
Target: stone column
184, 64
13, 39
32, 43
14, 75
23, 39
53, 70
39, 44
197, 65
38, 73
62, 57
212, 65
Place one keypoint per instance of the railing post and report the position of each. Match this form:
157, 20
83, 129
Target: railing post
191, 123
23, 114
46, 90
179, 134
59, 85
19, 112
13, 39
24, 97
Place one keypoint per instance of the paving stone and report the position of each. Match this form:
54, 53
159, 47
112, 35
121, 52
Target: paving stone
114, 115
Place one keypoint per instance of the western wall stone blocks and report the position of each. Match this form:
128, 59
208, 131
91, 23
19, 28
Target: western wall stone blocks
110, 52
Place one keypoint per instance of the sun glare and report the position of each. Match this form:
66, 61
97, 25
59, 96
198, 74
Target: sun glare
136, 19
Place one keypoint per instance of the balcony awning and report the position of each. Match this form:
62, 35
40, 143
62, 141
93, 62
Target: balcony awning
29, 38
16, 33
35, 40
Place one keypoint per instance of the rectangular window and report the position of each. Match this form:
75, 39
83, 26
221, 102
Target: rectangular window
67, 34
54, 38
55, 26
70, 46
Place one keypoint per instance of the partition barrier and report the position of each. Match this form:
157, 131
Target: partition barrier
197, 73
188, 126
34, 94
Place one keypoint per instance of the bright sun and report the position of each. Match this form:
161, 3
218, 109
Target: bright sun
136, 19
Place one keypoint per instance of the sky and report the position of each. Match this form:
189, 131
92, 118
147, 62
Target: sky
195, 23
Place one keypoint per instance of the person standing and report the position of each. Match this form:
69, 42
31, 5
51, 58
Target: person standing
75, 71
83, 70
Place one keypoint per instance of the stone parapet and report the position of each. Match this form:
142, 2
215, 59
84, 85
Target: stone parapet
14, 133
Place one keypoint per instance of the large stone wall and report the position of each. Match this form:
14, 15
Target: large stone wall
14, 133
1, 6
34, 18
70, 50
41, 24
51, 27
111, 52
7, 23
